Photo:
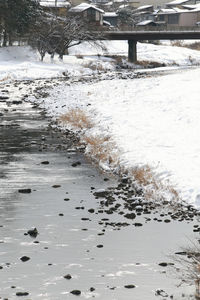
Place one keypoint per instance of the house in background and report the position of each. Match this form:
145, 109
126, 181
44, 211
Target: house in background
144, 13
59, 7
111, 18
176, 17
180, 3
177, 3
90, 12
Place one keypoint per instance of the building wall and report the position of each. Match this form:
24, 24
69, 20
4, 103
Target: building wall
77, 2
155, 3
188, 19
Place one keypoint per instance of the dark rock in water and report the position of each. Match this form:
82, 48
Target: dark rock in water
162, 293
61, 214
91, 210
33, 232
46, 162
55, 186
22, 294
99, 246
75, 164
125, 180
181, 253
130, 216
163, 264
92, 289
3, 97
1, 267
75, 292
24, 258
167, 221
16, 102
66, 199
24, 191
130, 286
68, 276
101, 193
138, 224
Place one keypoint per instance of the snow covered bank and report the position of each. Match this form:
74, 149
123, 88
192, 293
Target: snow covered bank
148, 122
153, 122
21, 63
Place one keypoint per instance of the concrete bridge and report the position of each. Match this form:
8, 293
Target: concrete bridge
134, 36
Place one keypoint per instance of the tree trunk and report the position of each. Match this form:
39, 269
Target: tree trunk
9, 39
5, 38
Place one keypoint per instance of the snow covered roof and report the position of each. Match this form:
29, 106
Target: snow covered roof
177, 2
84, 6
110, 14
164, 11
143, 7
52, 3
123, 6
145, 22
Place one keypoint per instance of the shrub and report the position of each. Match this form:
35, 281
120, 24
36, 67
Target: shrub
101, 148
77, 118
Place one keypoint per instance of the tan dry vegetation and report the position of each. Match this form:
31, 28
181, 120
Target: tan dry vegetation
150, 64
94, 66
152, 185
101, 148
5, 78
193, 46
79, 56
77, 118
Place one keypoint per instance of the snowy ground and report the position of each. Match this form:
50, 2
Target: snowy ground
152, 121
19, 63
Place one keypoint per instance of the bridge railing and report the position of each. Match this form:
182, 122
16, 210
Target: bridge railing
157, 28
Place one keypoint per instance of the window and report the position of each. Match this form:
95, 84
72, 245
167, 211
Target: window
91, 13
173, 19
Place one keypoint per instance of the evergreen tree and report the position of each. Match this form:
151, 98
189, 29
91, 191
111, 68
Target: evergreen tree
16, 17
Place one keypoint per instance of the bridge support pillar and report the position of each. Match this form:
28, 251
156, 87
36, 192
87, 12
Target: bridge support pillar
132, 51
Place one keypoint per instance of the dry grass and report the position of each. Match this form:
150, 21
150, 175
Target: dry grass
5, 78
143, 175
177, 43
193, 46
94, 66
101, 148
79, 56
77, 118
150, 64
153, 186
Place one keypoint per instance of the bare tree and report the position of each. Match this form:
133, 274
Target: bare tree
188, 269
54, 34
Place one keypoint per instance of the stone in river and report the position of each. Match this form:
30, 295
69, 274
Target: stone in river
24, 191
129, 286
68, 276
24, 258
55, 186
45, 162
22, 294
33, 232
75, 292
